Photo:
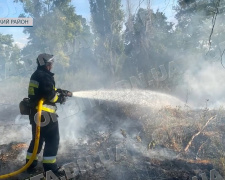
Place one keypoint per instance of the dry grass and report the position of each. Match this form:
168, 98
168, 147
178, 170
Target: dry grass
200, 131
20, 146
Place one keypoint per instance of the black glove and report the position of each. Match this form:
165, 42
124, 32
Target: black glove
63, 94
61, 99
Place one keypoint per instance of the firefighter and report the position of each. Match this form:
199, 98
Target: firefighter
42, 85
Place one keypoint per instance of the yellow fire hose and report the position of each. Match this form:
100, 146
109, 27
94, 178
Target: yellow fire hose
37, 138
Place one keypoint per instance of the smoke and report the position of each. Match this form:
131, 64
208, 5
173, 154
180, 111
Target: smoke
72, 127
90, 120
201, 84
205, 83
15, 133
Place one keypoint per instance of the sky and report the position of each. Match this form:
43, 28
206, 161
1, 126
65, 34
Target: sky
8, 9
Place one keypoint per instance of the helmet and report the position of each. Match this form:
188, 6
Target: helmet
45, 59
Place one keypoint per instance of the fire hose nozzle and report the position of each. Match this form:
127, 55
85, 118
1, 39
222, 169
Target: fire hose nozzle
69, 94
65, 93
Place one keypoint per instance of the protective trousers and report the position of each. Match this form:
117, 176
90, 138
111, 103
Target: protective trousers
50, 135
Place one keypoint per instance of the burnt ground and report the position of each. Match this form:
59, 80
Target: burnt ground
123, 142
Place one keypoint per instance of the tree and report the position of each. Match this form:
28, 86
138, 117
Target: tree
200, 25
5, 46
107, 23
55, 26
9, 54
147, 38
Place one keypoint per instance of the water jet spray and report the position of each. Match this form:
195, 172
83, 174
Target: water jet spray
142, 98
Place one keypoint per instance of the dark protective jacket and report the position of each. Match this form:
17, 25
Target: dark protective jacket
42, 85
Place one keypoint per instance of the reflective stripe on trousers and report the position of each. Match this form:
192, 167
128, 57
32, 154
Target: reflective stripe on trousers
29, 156
49, 160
